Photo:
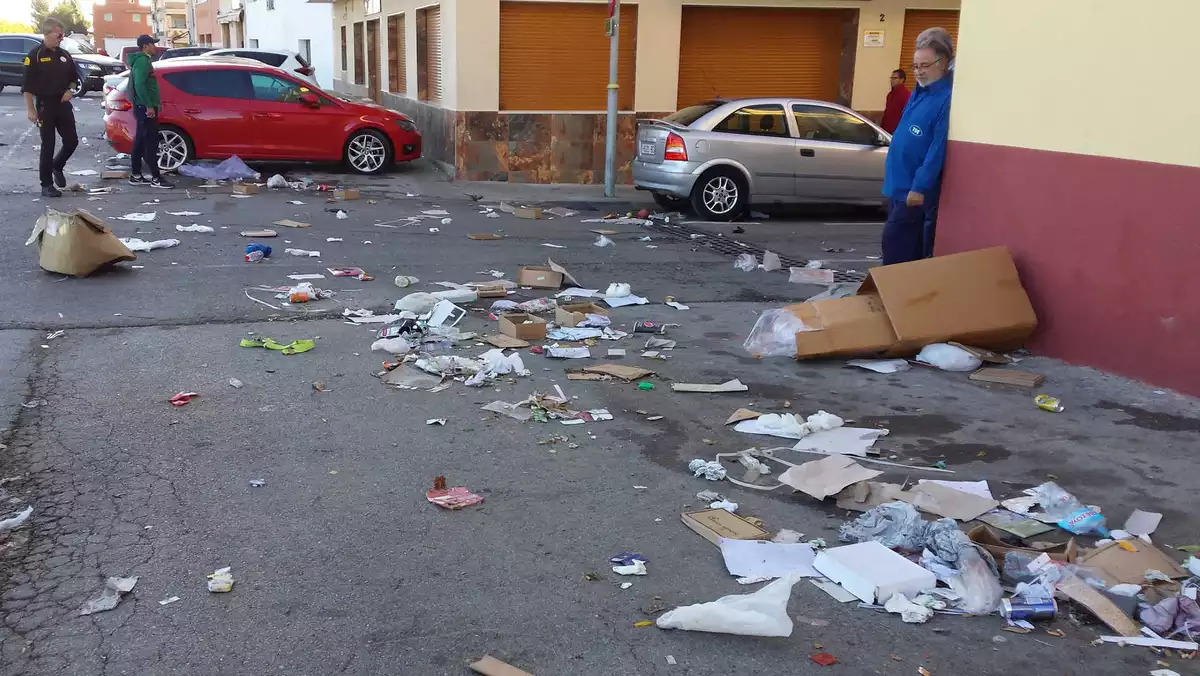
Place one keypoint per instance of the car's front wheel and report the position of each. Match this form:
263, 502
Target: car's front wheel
721, 194
174, 148
368, 151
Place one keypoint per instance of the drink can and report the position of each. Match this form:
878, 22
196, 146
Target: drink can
1048, 403
1042, 610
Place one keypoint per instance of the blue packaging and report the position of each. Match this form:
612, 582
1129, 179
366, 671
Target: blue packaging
1083, 521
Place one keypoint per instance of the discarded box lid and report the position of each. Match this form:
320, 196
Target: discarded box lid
984, 537
974, 297
714, 524
574, 313
76, 243
522, 325
872, 572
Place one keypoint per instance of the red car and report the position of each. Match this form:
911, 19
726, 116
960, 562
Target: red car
215, 107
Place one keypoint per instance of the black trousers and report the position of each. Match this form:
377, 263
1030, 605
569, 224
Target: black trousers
145, 142
56, 116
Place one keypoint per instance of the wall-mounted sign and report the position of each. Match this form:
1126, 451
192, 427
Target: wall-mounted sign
873, 38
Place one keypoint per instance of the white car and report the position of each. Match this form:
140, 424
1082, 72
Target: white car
280, 58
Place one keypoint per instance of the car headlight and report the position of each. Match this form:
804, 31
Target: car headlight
407, 125
91, 66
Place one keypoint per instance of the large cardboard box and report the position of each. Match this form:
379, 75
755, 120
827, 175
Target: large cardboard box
76, 243
974, 298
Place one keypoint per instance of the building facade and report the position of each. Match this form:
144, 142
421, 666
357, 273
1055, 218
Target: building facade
515, 90
301, 26
219, 23
1089, 200
115, 22
170, 23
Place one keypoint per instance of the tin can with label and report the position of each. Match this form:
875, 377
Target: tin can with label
1048, 403
1043, 610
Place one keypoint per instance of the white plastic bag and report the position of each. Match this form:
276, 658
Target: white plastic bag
763, 613
948, 357
745, 262
602, 241
419, 302
774, 334
391, 345
277, 181
771, 261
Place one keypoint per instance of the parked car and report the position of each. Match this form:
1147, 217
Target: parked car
92, 66
720, 156
176, 52
126, 52
215, 107
280, 58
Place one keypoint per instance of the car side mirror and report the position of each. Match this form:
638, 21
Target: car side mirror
310, 100
882, 141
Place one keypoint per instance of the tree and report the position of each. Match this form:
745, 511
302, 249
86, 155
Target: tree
71, 16
40, 10
7, 26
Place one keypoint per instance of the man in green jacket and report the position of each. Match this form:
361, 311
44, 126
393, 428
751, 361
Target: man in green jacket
143, 87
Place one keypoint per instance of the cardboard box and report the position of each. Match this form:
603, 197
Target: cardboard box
570, 315
346, 194
539, 277
523, 326
245, 189
113, 174
974, 297
714, 524
1119, 566
491, 291
984, 537
76, 243
527, 212
872, 572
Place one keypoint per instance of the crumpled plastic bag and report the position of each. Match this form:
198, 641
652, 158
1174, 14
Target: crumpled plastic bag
762, 613
892, 524
448, 365
948, 357
788, 425
771, 261
745, 262
419, 302
1072, 515
709, 469
976, 584
602, 241
16, 521
1176, 615
910, 612
774, 334
232, 168
141, 245
114, 589
391, 346
277, 181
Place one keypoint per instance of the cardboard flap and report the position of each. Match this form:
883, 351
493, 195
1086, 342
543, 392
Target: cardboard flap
93, 221
974, 297
843, 326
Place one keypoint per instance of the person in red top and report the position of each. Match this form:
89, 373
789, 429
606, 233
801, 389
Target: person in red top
896, 100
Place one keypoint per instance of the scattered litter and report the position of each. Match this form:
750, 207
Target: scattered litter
881, 365
602, 241
755, 558
948, 357
451, 498
734, 385
183, 213
341, 215
183, 398
771, 261
490, 666
788, 425
810, 276
626, 373
1142, 523
774, 334
16, 521
636, 567
34, 403
168, 601
114, 589
235, 383
836, 591
259, 233
221, 581
294, 347
762, 613
303, 252
194, 227
227, 170
823, 659
677, 306
257, 483
138, 217
709, 469
726, 505
825, 477
141, 245
84, 172
745, 262
436, 421
277, 181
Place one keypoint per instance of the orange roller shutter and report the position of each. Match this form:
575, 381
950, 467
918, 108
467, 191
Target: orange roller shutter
554, 56
397, 65
917, 20
433, 53
739, 52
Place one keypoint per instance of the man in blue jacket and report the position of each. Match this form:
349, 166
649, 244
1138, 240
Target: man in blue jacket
913, 177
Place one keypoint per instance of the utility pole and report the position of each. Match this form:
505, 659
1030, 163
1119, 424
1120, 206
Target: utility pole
191, 22
610, 136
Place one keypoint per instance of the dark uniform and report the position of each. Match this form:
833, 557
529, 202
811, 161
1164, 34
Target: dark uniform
49, 73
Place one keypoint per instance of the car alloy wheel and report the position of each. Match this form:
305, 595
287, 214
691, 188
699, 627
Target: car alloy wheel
172, 149
366, 153
720, 195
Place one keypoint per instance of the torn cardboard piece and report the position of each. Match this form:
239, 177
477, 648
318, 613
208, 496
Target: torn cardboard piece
974, 297
984, 537
490, 666
505, 342
827, 476
948, 502
841, 441
289, 223
76, 243
734, 385
258, 233
484, 236
1085, 595
742, 414
245, 189
346, 194
1118, 565
990, 374
867, 495
1142, 523
715, 524
626, 373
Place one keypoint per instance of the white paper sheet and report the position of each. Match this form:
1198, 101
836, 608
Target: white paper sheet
756, 558
625, 300
841, 441
979, 488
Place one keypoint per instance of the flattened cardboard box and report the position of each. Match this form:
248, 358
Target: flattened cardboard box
76, 243
714, 524
974, 297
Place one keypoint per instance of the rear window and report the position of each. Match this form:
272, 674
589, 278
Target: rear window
692, 113
265, 57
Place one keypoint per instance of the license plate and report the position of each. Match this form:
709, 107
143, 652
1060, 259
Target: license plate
647, 149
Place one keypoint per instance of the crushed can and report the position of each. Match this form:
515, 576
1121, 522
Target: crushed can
649, 327
1048, 403
1042, 610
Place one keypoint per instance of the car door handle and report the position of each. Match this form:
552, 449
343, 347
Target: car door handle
267, 116
191, 111
808, 152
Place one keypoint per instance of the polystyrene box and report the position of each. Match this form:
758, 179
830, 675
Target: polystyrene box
873, 572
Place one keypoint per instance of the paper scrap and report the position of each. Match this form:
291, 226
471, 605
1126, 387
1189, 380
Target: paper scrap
1142, 523
881, 365
827, 476
742, 414
734, 385
840, 440
761, 559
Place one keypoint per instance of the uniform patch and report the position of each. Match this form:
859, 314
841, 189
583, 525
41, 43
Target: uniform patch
63, 59
915, 130
44, 59
27, 61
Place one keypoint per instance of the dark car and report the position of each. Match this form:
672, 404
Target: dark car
127, 52
176, 52
93, 66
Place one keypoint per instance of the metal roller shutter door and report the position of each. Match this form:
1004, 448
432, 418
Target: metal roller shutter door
740, 52
554, 56
917, 20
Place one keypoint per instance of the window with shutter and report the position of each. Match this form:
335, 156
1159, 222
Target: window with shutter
554, 56
432, 91
360, 71
397, 66
917, 20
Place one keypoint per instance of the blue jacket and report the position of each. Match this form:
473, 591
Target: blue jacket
918, 152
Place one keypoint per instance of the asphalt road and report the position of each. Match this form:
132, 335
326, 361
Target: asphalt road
341, 564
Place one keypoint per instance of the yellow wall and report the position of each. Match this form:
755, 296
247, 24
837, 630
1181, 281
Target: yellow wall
471, 39
1080, 76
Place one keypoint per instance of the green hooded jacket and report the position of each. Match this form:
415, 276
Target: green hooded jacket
143, 81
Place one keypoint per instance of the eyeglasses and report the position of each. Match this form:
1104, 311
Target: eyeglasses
925, 66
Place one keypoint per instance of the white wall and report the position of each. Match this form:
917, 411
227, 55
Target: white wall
290, 22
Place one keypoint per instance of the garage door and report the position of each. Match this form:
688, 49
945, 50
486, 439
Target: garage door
740, 52
554, 56
917, 20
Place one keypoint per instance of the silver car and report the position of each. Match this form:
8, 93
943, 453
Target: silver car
722, 155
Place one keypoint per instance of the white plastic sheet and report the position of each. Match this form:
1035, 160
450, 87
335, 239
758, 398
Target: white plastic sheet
762, 613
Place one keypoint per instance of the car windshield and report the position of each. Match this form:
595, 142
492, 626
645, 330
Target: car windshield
690, 114
74, 46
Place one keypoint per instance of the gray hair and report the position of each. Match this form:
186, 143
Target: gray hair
937, 39
50, 23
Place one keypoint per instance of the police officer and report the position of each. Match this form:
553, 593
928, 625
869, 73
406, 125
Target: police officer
49, 75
